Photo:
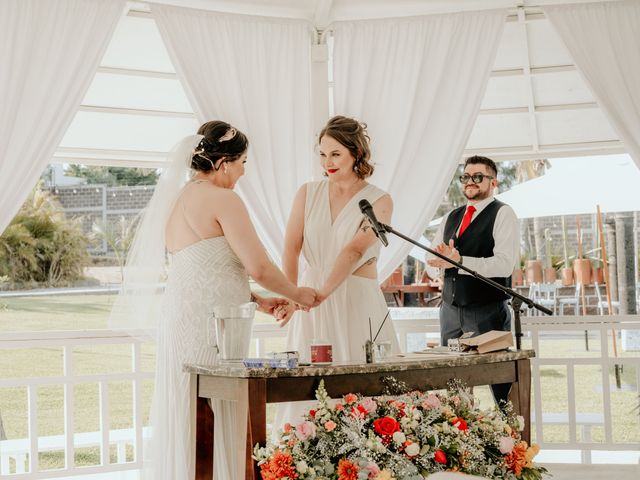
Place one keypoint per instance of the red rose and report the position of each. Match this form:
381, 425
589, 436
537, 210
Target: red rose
312, 413
359, 411
440, 457
386, 426
461, 423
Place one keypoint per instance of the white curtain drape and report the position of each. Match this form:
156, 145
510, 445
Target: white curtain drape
418, 84
49, 53
604, 41
253, 72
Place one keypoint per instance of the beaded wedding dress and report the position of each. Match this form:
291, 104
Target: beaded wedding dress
201, 276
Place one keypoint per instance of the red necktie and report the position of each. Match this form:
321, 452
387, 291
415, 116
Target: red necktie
466, 220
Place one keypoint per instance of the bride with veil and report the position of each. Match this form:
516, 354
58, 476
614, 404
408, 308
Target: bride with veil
197, 236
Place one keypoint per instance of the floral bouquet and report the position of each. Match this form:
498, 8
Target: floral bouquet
402, 437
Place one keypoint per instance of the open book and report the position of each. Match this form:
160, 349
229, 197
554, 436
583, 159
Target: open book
491, 341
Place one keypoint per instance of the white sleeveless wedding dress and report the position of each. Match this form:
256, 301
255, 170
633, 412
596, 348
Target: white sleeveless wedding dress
201, 276
343, 318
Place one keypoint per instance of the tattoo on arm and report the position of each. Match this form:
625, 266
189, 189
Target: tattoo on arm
371, 261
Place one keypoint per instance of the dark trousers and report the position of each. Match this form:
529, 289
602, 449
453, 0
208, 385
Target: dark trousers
454, 321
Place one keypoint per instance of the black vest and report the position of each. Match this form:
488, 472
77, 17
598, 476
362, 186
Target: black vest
476, 241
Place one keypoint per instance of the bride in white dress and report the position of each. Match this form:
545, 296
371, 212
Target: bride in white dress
213, 248
340, 252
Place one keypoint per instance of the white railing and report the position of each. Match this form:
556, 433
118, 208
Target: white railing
601, 327
22, 454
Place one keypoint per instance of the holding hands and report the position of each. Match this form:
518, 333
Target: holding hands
448, 251
284, 312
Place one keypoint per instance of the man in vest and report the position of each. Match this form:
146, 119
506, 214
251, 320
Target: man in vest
482, 235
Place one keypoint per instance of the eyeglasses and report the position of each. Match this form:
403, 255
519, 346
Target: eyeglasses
475, 178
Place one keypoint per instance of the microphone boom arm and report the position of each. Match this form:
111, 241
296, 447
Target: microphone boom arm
517, 299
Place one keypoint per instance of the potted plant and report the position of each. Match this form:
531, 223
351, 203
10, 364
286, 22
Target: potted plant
549, 271
566, 272
517, 277
532, 268
581, 266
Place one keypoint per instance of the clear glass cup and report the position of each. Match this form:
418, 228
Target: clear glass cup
382, 350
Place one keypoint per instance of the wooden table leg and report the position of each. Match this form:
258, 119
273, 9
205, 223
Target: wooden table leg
520, 396
257, 424
204, 440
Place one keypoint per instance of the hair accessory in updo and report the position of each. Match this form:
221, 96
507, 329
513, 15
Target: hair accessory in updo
229, 134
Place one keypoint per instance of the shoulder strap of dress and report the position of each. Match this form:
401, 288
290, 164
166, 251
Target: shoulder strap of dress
313, 190
372, 193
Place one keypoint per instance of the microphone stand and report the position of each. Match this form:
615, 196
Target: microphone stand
516, 299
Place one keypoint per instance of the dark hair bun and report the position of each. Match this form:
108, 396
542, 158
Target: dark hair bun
221, 140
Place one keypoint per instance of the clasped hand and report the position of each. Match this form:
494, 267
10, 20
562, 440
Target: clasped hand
448, 251
284, 312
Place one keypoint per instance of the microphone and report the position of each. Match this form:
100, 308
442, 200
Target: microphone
378, 229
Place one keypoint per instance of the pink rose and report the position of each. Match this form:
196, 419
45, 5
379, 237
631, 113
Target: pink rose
373, 470
506, 445
305, 430
330, 425
287, 427
369, 404
432, 401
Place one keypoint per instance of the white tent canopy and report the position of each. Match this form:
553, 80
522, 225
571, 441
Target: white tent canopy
577, 185
536, 104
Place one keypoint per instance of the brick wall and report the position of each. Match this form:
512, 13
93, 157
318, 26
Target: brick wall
103, 204
110, 204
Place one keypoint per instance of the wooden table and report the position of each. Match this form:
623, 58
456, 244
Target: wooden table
253, 388
398, 291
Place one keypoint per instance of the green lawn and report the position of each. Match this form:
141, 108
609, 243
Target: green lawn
91, 311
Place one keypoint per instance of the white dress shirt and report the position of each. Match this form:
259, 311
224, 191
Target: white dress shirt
506, 236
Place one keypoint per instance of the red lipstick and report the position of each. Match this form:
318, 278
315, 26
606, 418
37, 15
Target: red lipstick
332, 170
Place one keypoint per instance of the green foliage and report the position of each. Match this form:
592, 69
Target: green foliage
118, 236
41, 245
114, 176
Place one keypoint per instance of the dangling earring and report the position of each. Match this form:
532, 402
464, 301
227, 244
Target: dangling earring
225, 171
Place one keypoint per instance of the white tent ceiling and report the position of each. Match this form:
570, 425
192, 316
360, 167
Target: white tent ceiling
536, 104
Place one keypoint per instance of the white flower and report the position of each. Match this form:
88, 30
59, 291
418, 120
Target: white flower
506, 445
302, 467
520, 420
399, 438
412, 449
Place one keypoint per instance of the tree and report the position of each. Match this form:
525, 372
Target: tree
118, 236
41, 245
114, 176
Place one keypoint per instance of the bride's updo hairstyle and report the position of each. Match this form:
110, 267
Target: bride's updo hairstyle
221, 140
352, 135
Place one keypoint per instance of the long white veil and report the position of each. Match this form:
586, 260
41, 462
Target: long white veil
135, 309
